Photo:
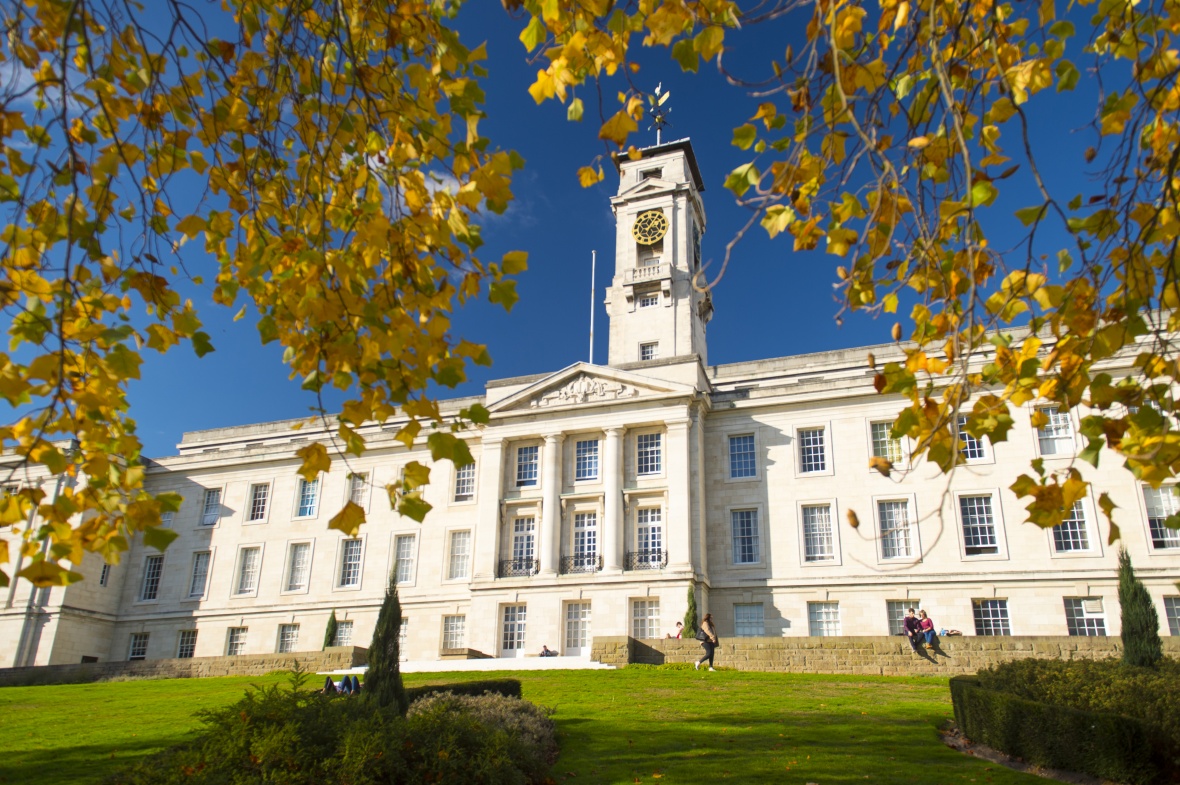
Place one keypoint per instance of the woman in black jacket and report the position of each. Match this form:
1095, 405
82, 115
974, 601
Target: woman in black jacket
707, 635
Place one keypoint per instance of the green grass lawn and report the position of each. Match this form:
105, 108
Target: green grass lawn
631, 725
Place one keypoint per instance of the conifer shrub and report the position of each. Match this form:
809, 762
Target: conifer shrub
1141, 624
330, 630
383, 680
690, 616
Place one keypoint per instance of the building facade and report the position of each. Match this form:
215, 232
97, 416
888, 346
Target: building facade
601, 496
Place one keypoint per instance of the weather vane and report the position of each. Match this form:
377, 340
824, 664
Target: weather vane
657, 111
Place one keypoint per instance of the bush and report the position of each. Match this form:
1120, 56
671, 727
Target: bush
1141, 624
690, 615
506, 687
383, 680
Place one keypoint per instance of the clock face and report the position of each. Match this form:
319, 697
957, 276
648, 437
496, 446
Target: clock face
650, 227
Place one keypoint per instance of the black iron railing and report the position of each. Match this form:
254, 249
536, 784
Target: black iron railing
646, 560
587, 562
519, 568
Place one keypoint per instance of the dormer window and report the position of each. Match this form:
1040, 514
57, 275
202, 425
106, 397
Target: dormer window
651, 174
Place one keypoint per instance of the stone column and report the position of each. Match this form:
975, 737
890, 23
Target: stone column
550, 539
679, 524
612, 513
488, 492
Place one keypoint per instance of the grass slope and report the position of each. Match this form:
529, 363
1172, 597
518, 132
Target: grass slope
632, 725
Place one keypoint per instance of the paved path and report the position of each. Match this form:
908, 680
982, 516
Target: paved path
509, 664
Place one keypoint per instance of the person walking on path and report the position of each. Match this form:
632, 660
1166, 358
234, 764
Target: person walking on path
913, 628
707, 635
927, 625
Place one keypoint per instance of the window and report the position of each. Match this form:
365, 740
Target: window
577, 627
299, 566
1083, 616
526, 466
650, 533
523, 535
823, 619
166, 519
248, 570
970, 448
211, 511
138, 648
235, 641
1161, 505
648, 351
514, 623
1070, 535
343, 634
259, 496
153, 566
105, 576
465, 483
308, 498
811, 450
979, 527
749, 620
745, 536
586, 460
200, 575
645, 619
818, 537
404, 550
1055, 437
585, 539
288, 638
648, 453
1172, 611
186, 644
895, 611
884, 445
350, 562
358, 488
403, 635
991, 617
894, 519
741, 457
649, 301
459, 563
454, 632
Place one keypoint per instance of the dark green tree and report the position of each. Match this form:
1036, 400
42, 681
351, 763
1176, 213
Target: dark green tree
330, 632
690, 616
1141, 625
383, 681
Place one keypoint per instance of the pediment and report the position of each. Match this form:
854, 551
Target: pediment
583, 384
650, 185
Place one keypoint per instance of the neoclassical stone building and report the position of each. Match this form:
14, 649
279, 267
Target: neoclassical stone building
600, 495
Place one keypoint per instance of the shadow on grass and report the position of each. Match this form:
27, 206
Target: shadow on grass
69, 765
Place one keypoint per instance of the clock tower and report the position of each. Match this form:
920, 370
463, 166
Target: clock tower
657, 310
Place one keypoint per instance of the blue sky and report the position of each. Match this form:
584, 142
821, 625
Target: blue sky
771, 302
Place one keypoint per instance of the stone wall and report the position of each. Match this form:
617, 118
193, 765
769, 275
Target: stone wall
888, 656
336, 658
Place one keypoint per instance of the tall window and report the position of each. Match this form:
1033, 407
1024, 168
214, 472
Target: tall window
358, 488
343, 634
741, 457
105, 576
823, 619
1070, 535
894, 519
811, 450
350, 562
308, 497
523, 535
288, 638
1162, 503
645, 619
749, 620
454, 632
895, 612
970, 448
577, 626
235, 641
818, 538
200, 576
649, 351
1084, 616
514, 624
139, 644
211, 511
979, 526
648, 454
459, 562
650, 532
526, 466
149, 589
404, 549
585, 539
586, 460
248, 570
259, 496
186, 644
745, 536
1172, 611
465, 483
991, 617
884, 445
403, 635
1056, 435
299, 567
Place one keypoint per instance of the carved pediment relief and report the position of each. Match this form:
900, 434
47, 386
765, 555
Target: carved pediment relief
584, 389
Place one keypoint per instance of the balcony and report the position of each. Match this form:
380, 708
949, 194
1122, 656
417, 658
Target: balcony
586, 562
646, 560
519, 568
648, 272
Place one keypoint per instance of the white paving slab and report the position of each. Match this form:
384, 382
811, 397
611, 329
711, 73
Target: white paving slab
510, 664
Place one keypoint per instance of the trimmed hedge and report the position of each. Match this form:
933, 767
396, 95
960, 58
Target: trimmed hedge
1104, 745
509, 688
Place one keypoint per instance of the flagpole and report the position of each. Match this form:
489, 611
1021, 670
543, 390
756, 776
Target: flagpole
593, 265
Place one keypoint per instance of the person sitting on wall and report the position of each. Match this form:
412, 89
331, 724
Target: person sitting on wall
927, 625
547, 652
679, 630
912, 628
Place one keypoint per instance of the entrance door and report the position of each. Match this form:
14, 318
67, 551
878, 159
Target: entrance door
577, 629
513, 634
